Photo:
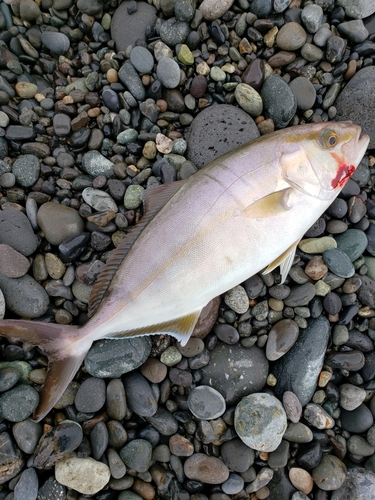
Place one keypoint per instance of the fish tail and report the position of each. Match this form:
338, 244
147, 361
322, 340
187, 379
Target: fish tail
64, 347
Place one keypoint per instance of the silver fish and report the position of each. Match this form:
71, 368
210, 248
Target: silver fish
244, 212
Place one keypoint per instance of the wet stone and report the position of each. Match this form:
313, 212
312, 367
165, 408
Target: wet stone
316, 416
206, 403
299, 369
351, 360
139, 395
180, 446
235, 371
311, 17
18, 403
309, 455
91, 395
282, 109
281, 338
209, 470
137, 455
260, 421
353, 242
338, 262
56, 443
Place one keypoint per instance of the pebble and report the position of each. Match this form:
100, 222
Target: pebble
353, 242
237, 299
85, 475
330, 474
18, 403
16, 231
59, 222
359, 483
168, 72
281, 338
292, 406
245, 371
338, 262
301, 479
27, 485
291, 36
282, 109
248, 99
304, 92
58, 43
210, 470
298, 376
95, 164
91, 395
260, 421
139, 20
56, 443
139, 394
12, 263
99, 200
225, 128
133, 197
206, 403
137, 455
315, 415
17, 293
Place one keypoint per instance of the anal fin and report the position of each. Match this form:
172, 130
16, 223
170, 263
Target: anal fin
285, 261
179, 328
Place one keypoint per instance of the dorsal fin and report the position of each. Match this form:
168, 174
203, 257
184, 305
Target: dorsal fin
154, 200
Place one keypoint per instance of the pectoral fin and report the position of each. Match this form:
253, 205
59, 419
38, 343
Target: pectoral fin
285, 261
271, 205
179, 328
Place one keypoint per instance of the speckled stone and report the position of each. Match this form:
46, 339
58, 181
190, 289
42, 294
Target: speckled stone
260, 421
282, 108
359, 484
330, 473
84, 475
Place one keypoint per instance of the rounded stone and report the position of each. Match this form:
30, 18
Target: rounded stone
85, 475
237, 299
18, 403
168, 72
225, 127
206, 403
312, 17
59, 222
127, 28
291, 36
206, 469
12, 263
304, 91
142, 59
280, 104
114, 357
91, 395
139, 394
99, 200
330, 473
58, 43
353, 242
338, 262
359, 484
281, 338
249, 99
235, 371
260, 421
137, 455
16, 231
24, 296
356, 98
95, 164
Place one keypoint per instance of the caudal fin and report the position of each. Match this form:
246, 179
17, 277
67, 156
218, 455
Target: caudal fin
61, 344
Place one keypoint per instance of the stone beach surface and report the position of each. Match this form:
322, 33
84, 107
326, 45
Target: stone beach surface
274, 395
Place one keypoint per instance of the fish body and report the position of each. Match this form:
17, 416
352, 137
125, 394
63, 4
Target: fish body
200, 237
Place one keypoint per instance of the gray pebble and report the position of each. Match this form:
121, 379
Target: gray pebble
130, 78
18, 403
27, 485
91, 395
168, 72
140, 396
280, 104
96, 164
137, 455
142, 59
206, 403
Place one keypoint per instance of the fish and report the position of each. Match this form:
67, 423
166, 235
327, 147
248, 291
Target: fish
244, 212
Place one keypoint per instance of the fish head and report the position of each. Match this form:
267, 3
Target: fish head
323, 157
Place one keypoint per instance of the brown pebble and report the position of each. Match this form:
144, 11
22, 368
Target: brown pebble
93, 112
145, 490
12, 263
207, 319
262, 493
103, 218
301, 480
281, 338
180, 446
281, 58
350, 70
80, 121
316, 268
162, 105
266, 126
198, 86
112, 76
292, 406
180, 377
154, 370
68, 99
146, 80
193, 347
210, 470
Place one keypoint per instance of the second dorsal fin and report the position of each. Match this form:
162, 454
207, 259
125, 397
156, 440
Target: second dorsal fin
153, 202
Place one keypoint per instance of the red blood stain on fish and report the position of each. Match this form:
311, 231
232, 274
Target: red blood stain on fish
343, 173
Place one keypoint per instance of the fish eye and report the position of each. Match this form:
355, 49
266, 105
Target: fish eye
329, 139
